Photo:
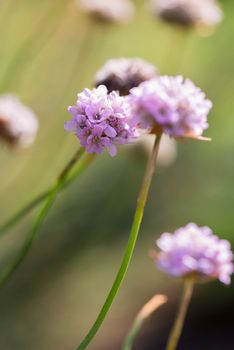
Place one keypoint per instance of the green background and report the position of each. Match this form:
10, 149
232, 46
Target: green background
50, 51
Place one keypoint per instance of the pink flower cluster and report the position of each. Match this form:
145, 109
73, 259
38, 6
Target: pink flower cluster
171, 105
174, 104
101, 120
193, 251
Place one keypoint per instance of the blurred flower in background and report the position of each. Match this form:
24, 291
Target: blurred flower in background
188, 13
167, 151
111, 11
122, 74
193, 251
18, 123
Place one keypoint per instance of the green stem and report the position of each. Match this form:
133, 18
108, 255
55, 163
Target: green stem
4, 228
82, 164
147, 310
179, 321
64, 174
67, 177
130, 246
134, 331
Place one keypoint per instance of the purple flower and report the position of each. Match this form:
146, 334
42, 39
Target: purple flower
173, 105
195, 251
96, 141
101, 120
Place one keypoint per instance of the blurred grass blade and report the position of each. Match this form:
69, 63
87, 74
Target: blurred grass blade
33, 44
145, 312
38, 199
81, 166
22, 213
9, 270
64, 179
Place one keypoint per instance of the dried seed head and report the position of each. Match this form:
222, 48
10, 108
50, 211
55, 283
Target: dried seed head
122, 74
18, 123
188, 13
108, 10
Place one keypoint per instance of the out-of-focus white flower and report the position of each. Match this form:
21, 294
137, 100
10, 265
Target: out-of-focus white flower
167, 151
122, 74
188, 12
18, 123
109, 10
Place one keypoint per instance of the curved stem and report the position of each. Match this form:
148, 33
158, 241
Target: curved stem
22, 213
81, 166
144, 313
130, 246
63, 180
64, 173
9, 270
179, 321
82, 53
134, 331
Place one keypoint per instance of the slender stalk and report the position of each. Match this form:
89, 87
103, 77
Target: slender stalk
179, 321
142, 316
134, 331
64, 173
63, 180
83, 163
12, 267
130, 246
4, 228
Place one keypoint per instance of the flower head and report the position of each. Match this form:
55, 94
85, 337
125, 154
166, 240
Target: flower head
110, 11
101, 120
188, 12
172, 105
195, 251
123, 74
18, 123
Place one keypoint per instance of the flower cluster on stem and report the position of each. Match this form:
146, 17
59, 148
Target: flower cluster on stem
193, 251
173, 105
101, 120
